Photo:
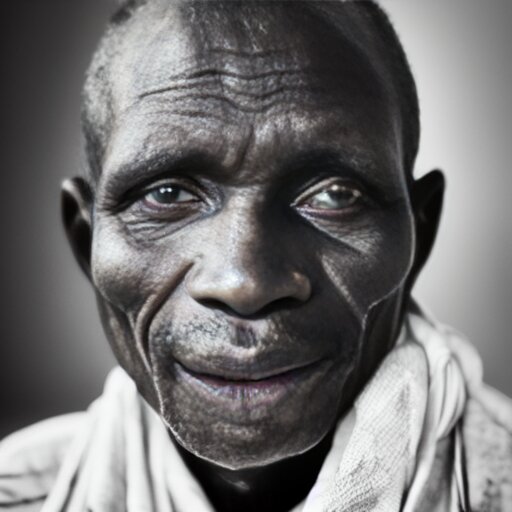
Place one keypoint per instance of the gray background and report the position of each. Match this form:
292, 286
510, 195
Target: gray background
53, 357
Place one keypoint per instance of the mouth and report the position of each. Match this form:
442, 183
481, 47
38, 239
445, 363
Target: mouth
250, 378
251, 387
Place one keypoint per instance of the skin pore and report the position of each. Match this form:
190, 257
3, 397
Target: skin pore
253, 236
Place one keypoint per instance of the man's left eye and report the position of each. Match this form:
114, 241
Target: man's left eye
336, 196
165, 195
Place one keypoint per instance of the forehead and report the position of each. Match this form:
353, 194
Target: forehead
206, 75
167, 41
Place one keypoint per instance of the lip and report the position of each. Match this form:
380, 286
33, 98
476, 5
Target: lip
240, 370
252, 378
251, 389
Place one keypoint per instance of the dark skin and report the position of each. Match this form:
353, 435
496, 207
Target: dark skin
252, 239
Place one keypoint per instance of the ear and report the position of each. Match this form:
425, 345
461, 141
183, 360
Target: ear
427, 195
76, 205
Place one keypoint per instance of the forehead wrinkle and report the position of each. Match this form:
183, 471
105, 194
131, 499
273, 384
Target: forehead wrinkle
249, 83
220, 77
237, 63
177, 47
220, 97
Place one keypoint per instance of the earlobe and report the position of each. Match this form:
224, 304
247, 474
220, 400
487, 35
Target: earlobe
76, 207
427, 195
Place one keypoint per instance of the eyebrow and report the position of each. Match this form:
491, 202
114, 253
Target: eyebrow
142, 169
331, 158
344, 163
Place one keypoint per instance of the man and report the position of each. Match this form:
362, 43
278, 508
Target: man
252, 229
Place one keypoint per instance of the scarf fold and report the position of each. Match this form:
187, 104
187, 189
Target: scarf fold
382, 456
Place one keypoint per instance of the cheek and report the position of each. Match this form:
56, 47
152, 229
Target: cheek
371, 263
118, 270
130, 279
128, 273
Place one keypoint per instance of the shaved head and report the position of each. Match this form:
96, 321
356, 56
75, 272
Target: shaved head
318, 33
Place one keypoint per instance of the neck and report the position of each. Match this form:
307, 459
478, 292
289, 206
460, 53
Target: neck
276, 487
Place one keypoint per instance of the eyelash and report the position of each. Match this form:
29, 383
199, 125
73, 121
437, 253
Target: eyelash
324, 185
159, 189
189, 187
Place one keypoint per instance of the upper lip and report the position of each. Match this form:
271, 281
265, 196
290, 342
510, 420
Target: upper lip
243, 370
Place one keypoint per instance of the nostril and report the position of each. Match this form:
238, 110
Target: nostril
218, 305
282, 304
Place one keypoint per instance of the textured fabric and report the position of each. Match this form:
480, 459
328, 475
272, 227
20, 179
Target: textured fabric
412, 403
399, 448
31, 459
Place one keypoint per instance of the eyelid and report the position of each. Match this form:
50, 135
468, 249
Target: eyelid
185, 184
137, 194
324, 184
147, 198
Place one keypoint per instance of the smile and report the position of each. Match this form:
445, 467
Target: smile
252, 389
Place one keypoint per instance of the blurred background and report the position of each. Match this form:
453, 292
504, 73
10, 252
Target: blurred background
53, 355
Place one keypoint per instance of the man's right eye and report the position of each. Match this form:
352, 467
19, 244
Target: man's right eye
167, 195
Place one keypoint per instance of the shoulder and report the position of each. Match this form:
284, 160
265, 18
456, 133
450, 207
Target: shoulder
486, 430
30, 460
487, 434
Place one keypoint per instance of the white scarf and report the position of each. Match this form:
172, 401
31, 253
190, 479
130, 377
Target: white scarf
381, 458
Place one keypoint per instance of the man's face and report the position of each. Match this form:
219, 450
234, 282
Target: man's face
252, 231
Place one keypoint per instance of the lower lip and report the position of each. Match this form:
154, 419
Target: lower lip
253, 392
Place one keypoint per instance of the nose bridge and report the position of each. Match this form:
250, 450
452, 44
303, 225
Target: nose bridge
246, 266
247, 243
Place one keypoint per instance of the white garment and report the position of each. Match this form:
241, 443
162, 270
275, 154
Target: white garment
380, 460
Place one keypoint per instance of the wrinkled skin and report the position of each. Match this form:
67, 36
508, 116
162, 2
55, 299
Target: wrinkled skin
253, 237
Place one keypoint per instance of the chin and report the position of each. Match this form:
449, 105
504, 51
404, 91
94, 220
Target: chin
248, 449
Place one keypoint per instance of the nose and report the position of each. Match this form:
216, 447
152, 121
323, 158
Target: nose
248, 275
